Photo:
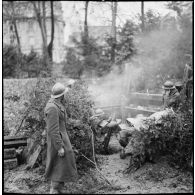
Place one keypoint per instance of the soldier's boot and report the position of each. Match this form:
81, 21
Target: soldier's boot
107, 139
122, 154
57, 187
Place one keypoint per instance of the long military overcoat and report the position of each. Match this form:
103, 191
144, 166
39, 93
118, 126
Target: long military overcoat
62, 169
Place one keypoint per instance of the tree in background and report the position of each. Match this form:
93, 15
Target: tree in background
113, 31
142, 17
9, 61
73, 67
50, 45
150, 22
40, 12
184, 45
125, 47
11, 11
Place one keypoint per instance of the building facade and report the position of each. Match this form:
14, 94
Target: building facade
29, 31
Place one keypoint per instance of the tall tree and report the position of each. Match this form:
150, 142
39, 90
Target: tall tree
41, 19
142, 16
40, 11
85, 22
113, 31
11, 13
50, 46
85, 37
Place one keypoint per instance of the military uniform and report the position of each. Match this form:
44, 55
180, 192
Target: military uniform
171, 97
172, 100
59, 168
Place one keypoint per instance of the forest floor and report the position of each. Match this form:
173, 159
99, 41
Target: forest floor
158, 177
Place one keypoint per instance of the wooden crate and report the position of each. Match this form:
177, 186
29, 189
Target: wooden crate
9, 153
15, 143
10, 163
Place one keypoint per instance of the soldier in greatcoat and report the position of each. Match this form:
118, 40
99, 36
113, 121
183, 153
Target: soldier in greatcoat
60, 164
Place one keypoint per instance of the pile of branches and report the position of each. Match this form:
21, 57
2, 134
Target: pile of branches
78, 106
172, 137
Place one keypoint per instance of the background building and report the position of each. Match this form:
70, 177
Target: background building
29, 30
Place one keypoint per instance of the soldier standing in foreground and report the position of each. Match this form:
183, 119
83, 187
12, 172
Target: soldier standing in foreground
60, 165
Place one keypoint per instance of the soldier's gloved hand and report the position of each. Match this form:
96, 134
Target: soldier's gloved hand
109, 119
76, 151
61, 152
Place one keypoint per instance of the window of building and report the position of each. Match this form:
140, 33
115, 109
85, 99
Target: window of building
11, 27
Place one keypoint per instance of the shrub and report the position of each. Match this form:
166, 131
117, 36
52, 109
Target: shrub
10, 59
174, 137
15, 63
73, 67
36, 65
78, 106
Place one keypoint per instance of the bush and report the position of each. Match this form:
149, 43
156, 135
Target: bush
36, 65
15, 63
10, 60
73, 67
78, 106
173, 137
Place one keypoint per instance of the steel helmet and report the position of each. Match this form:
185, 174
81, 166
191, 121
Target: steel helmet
179, 84
99, 112
58, 90
168, 85
70, 82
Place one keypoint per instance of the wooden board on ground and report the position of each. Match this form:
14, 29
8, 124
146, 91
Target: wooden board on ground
10, 163
15, 143
125, 126
9, 153
33, 158
136, 111
103, 123
12, 138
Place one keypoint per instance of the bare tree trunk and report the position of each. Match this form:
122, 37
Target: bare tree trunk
142, 16
50, 46
114, 12
85, 38
38, 15
44, 21
15, 26
42, 25
85, 22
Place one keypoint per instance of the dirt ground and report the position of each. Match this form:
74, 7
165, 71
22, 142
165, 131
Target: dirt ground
151, 178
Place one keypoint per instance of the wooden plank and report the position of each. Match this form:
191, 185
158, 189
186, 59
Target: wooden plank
144, 99
33, 158
15, 144
10, 163
108, 107
9, 153
146, 96
135, 111
11, 138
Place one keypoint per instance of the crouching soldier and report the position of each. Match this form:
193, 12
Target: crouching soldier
103, 126
124, 137
171, 96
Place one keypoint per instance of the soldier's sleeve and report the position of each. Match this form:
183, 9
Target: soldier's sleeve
52, 117
174, 99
